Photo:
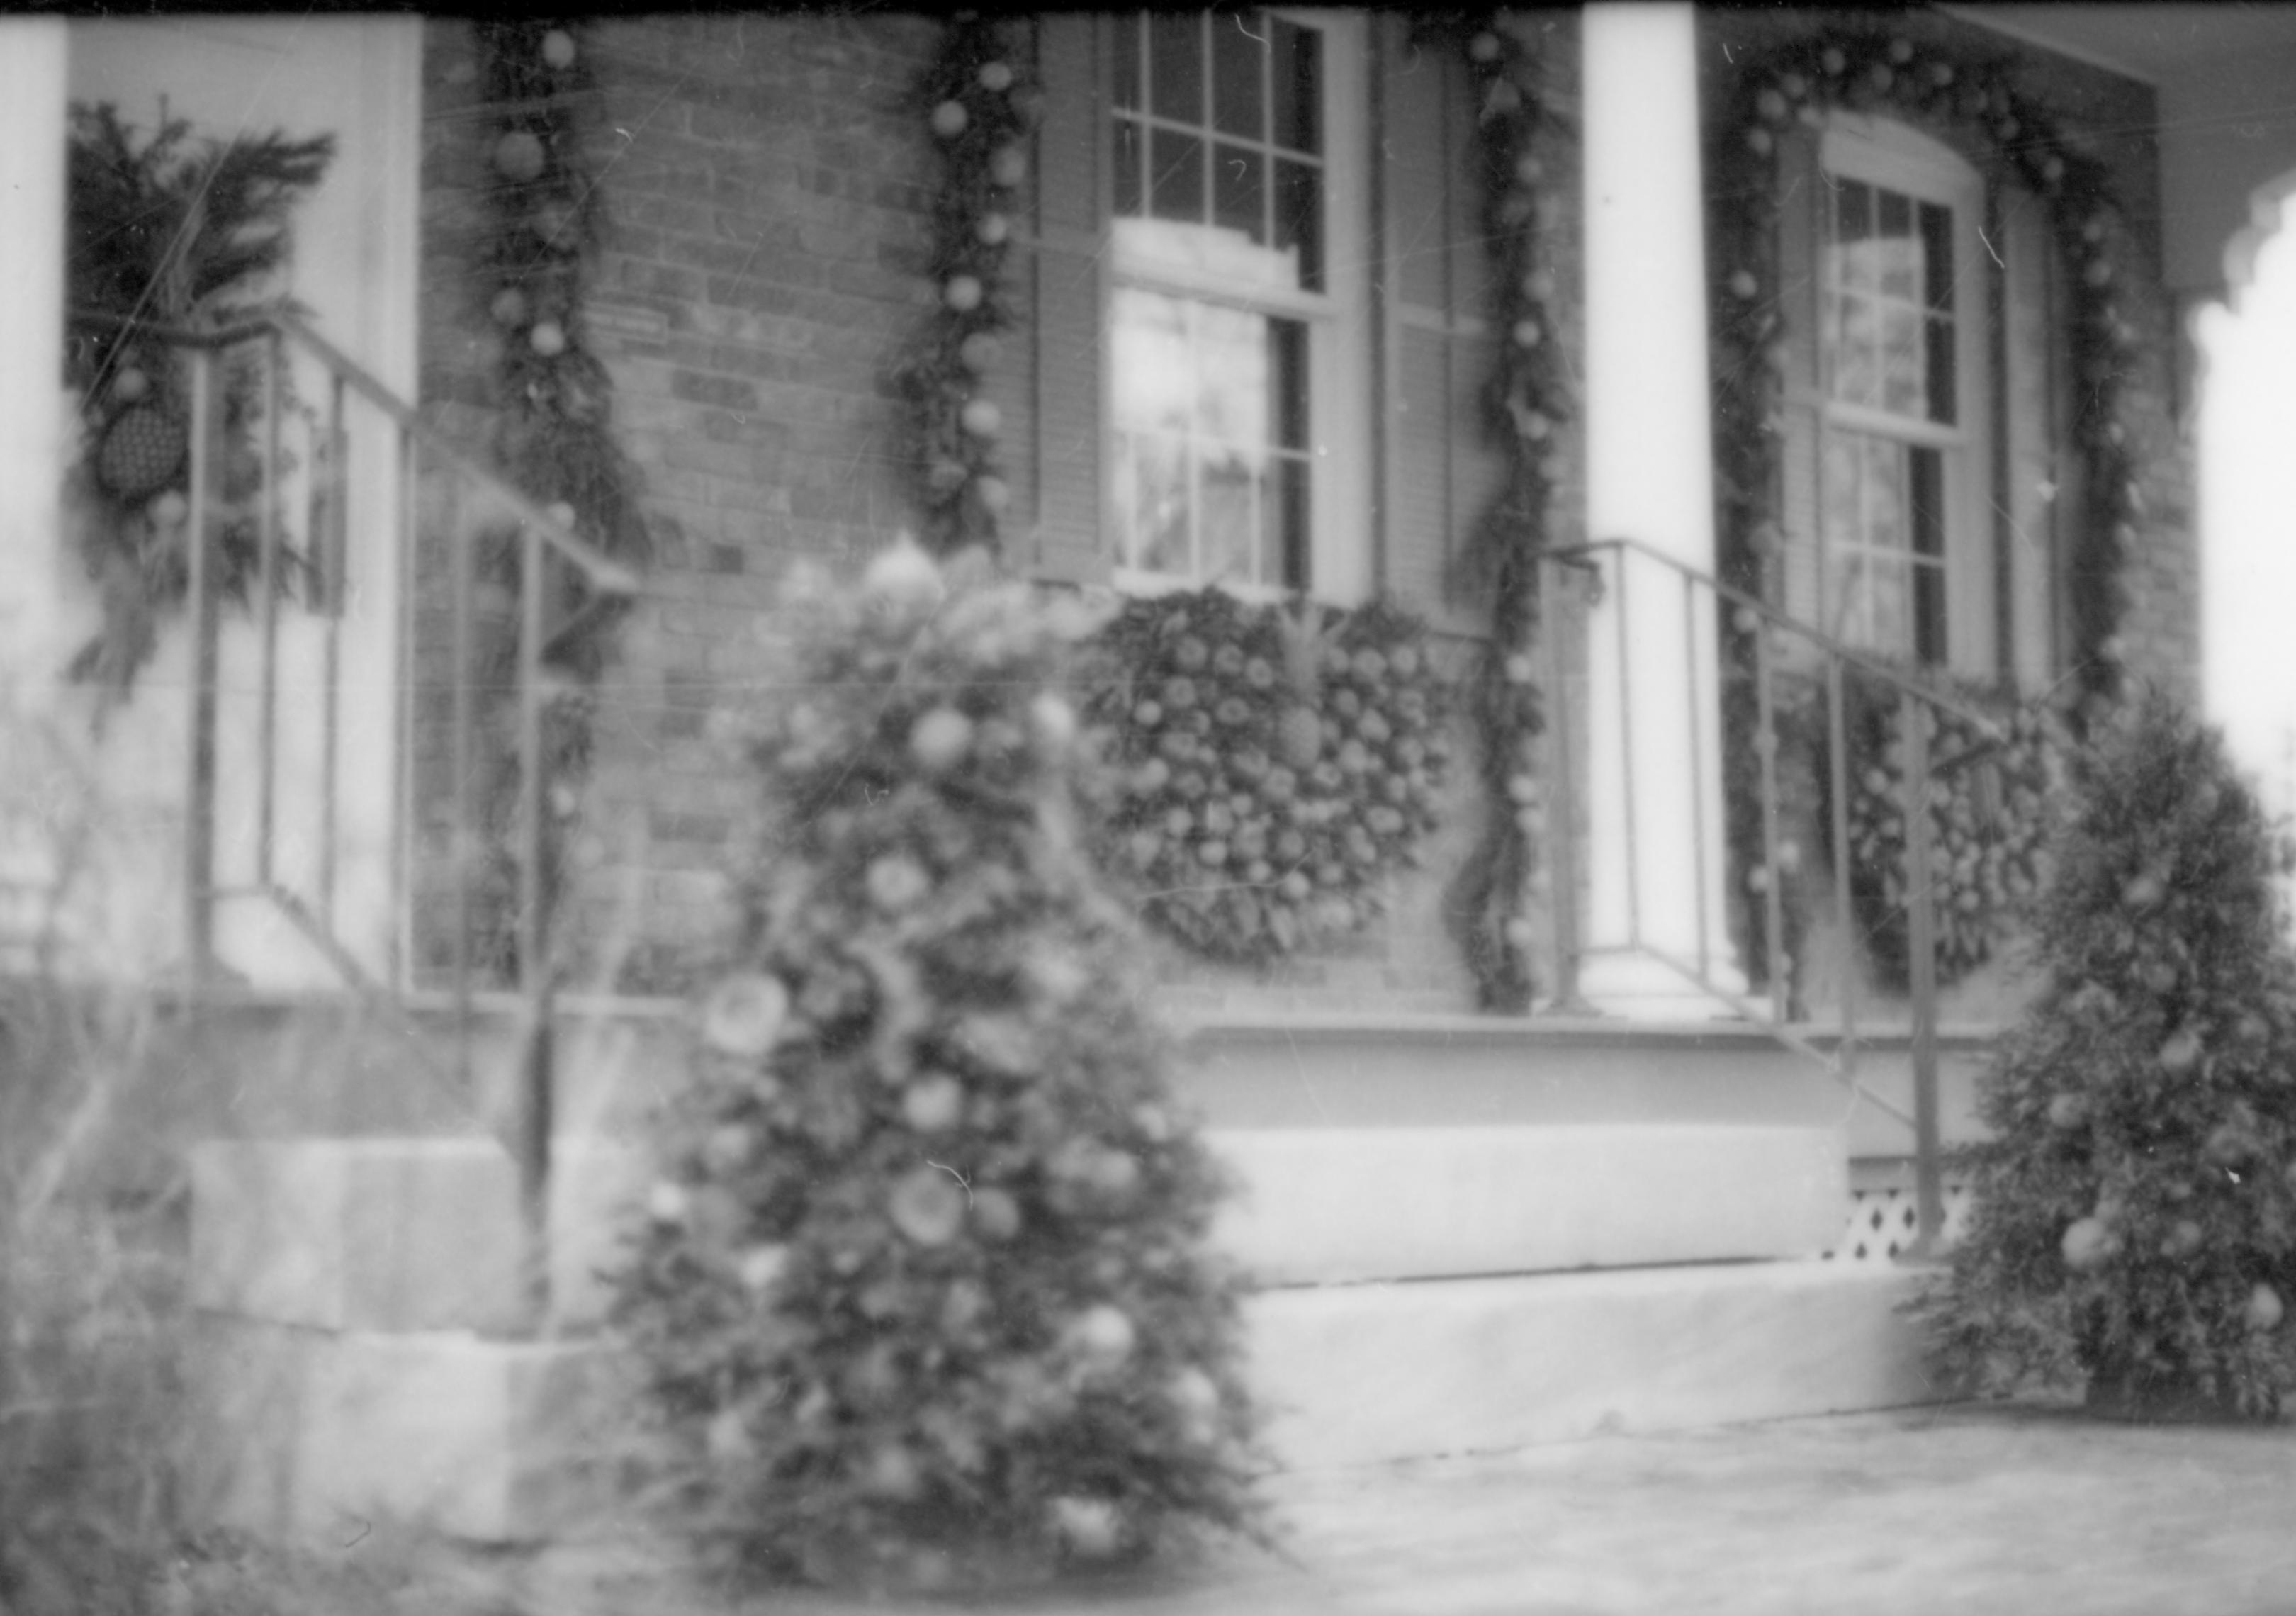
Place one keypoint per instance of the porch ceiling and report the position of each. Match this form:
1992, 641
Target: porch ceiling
2227, 114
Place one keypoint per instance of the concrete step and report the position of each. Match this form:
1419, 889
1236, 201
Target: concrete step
303, 1434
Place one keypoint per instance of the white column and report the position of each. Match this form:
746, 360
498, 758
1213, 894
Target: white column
31, 353
1655, 785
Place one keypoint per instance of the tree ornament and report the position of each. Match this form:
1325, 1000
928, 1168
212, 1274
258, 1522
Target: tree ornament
949, 120
979, 352
981, 418
558, 49
1008, 166
520, 157
548, 338
996, 78
961, 292
992, 229
940, 741
130, 385
744, 1013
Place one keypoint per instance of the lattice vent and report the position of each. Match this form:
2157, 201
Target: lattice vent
1883, 1223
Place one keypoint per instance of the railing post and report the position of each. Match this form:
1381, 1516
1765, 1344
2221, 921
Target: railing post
1556, 597
200, 783
535, 1076
1921, 973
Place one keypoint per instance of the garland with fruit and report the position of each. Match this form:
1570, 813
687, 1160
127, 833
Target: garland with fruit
1274, 763
554, 432
974, 100
1526, 401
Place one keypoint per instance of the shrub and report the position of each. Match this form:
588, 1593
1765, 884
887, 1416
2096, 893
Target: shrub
920, 1286
2135, 1226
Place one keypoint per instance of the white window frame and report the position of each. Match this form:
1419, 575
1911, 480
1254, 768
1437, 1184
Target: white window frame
1340, 344
1885, 153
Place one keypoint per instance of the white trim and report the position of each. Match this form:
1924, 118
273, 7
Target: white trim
1987, 18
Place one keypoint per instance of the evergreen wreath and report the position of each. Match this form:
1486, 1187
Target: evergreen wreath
1526, 401
167, 232
1869, 68
554, 433
1275, 764
1989, 820
2134, 1227
921, 1290
976, 101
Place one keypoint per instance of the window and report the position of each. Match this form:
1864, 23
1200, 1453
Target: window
1237, 354
1904, 458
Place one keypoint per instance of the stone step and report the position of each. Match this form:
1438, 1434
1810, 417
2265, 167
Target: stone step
416, 1235
303, 1434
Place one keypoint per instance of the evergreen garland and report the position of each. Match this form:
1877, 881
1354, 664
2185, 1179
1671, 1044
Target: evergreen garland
921, 1290
1275, 765
2134, 1230
166, 232
977, 106
554, 432
1866, 67
1525, 401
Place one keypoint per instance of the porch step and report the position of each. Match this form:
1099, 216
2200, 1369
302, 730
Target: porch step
417, 1235
1361, 1374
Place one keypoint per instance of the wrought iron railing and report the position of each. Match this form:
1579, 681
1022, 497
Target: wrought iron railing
353, 528
1577, 577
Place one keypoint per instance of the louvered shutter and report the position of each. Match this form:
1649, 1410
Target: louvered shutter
1068, 296
2030, 382
1440, 471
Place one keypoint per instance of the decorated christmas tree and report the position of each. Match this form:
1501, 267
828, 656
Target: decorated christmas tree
2135, 1226
922, 1284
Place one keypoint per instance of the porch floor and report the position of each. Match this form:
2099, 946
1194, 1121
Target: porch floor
1967, 1508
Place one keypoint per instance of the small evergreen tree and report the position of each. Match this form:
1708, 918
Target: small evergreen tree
2135, 1222
923, 1282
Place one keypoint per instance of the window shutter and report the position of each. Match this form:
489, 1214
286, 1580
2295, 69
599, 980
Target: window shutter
1071, 155
1796, 585
2031, 383
1439, 470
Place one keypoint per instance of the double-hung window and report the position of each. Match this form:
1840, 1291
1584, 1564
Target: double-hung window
1238, 302
1904, 454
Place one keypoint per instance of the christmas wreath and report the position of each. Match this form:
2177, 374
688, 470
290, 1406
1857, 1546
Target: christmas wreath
1989, 822
166, 232
1275, 763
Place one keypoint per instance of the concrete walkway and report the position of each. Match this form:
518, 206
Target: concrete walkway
1929, 1513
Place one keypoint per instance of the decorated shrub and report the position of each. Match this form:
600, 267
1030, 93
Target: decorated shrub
922, 1285
2135, 1227
1276, 764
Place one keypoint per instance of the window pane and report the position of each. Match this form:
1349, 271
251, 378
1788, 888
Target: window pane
1151, 355
1286, 545
1239, 64
1944, 380
1176, 68
1928, 615
1856, 367
1889, 606
1885, 495
1845, 607
1288, 343
1177, 176
1130, 153
1239, 192
1844, 488
1298, 87
1129, 34
1229, 506
1926, 500
1904, 361
1853, 223
1159, 518
1937, 257
1900, 250
1300, 220
1231, 381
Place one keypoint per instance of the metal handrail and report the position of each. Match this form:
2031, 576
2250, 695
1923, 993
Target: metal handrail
1913, 694
542, 537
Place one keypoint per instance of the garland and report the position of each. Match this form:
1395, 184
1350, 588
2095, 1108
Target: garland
1525, 402
1275, 765
1866, 69
973, 99
164, 236
554, 434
